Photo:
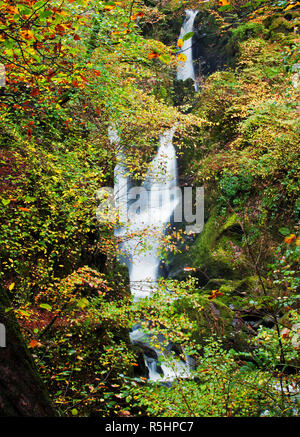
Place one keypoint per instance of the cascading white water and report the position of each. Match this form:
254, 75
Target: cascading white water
141, 229
185, 70
141, 235
151, 222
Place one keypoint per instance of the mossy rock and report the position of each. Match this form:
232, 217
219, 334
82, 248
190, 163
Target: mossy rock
282, 23
210, 317
141, 369
235, 291
216, 252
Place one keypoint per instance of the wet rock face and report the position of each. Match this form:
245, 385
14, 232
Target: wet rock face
141, 369
209, 45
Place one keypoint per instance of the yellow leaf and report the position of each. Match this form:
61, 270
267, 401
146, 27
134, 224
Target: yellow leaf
291, 6
27, 34
181, 57
180, 43
11, 286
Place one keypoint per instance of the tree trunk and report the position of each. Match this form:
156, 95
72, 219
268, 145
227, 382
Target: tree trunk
22, 392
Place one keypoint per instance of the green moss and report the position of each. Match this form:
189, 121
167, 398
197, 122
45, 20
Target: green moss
218, 249
244, 32
235, 291
210, 317
216, 253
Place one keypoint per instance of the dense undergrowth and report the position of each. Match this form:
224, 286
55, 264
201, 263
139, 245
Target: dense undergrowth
95, 64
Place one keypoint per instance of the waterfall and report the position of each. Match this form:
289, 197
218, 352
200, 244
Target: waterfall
185, 70
142, 226
146, 219
142, 223
150, 223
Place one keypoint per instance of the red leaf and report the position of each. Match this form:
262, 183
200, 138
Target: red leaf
34, 92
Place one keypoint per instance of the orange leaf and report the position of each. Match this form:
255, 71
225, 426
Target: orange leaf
153, 55
290, 238
124, 413
34, 343
23, 209
215, 293
27, 34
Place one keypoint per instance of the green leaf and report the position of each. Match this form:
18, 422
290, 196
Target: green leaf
225, 8
39, 4
82, 303
165, 59
24, 10
9, 43
5, 201
284, 231
74, 412
45, 14
29, 199
46, 306
187, 36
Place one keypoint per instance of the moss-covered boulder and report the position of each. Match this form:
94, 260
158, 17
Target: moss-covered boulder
216, 252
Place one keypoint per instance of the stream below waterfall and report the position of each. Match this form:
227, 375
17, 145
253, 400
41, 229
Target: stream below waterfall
142, 228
